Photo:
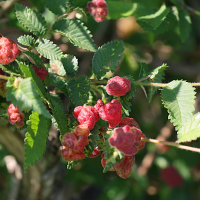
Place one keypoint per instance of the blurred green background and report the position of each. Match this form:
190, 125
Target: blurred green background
86, 181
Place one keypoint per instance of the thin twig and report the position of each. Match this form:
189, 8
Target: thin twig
192, 10
4, 77
143, 79
151, 84
172, 144
160, 84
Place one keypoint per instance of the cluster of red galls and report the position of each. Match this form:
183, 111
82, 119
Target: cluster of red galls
8, 50
15, 116
8, 53
74, 143
98, 9
126, 138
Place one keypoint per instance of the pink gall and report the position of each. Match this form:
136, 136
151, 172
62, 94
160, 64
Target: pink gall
8, 50
118, 86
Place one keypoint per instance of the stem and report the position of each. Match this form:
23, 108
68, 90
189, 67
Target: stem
62, 16
4, 77
143, 79
22, 48
193, 11
151, 84
172, 144
160, 84
98, 82
195, 84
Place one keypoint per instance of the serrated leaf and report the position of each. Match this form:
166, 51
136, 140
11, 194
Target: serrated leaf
36, 59
76, 32
11, 68
190, 130
93, 139
178, 98
111, 154
26, 40
144, 71
94, 136
184, 24
92, 97
157, 75
47, 49
58, 113
25, 96
178, 3
57, 7
126, 99
79, 90
168, 23
107, 57
78, 3
60, 84
31, 19
29, 72
126, 106
71, 164
155, 19
119, 9
102, 91
67, 65
36, 137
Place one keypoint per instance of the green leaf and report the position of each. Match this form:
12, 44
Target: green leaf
47, 49
94, 136
93, 139
111, 154
157, 75
155, 19
31, 19
36, 59
59, 114
126, 99
67, 65
107, 57
35, 142
119, 9
78, 3
25, 96
184, 25
168, 23
57, 7
79, 90
29, 72
178, 3
178, 97
71, 164
190, 130
144, 71
60, 84
76, 32
26, 40
12, 68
